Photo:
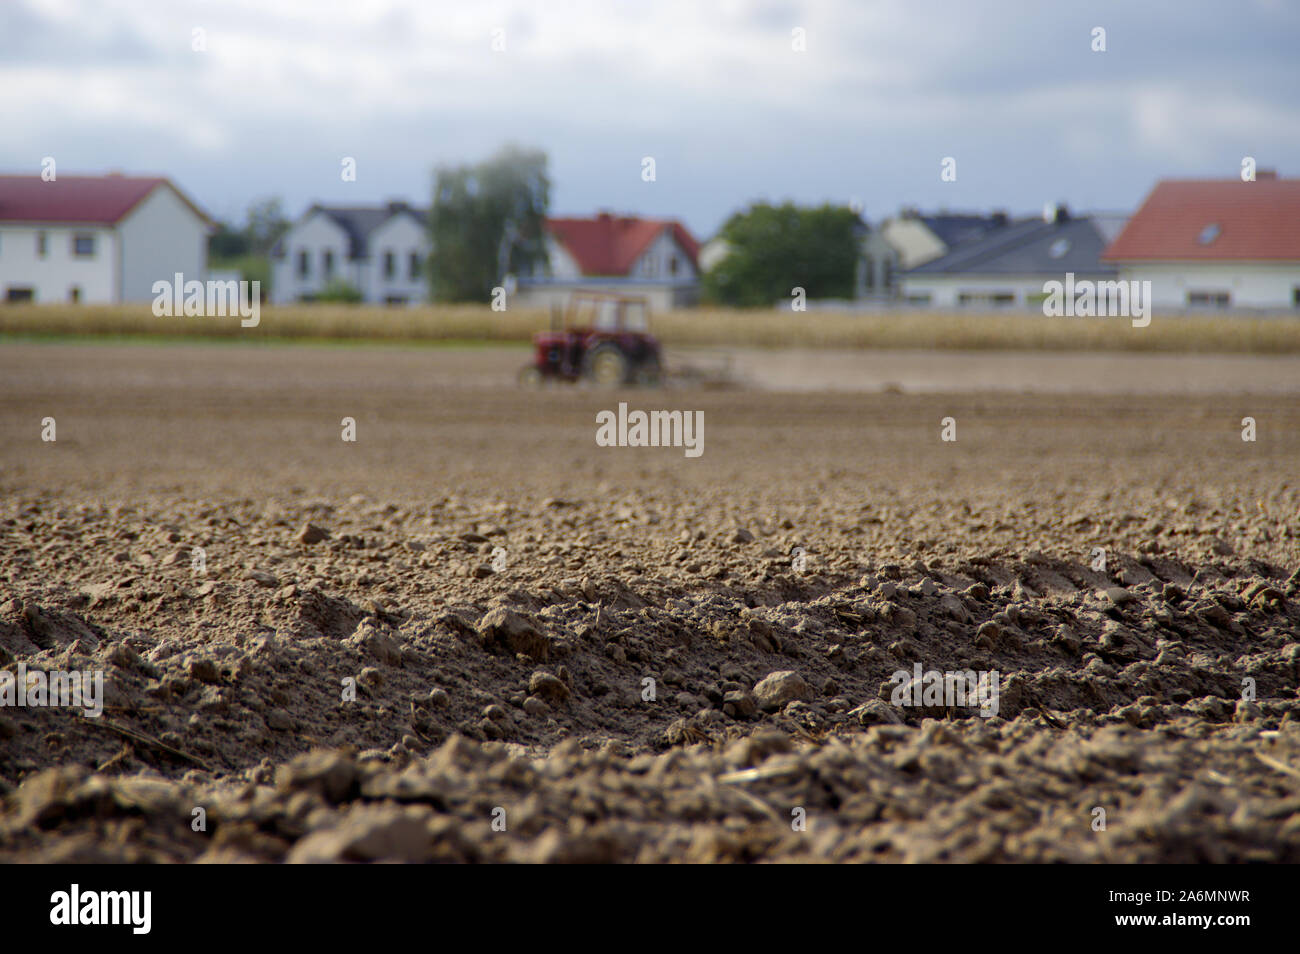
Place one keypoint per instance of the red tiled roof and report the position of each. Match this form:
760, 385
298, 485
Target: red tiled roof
1257, 221
610, 244
89, 199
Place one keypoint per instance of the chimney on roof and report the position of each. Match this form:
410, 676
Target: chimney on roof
1265, 174
999, 218
1056, 213
603, 216
395, 205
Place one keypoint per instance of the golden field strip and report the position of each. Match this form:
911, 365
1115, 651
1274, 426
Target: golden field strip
964, 331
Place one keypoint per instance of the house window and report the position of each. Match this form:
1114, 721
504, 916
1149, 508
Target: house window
1208, 299
304, 264
414, 266
19, 294
390, 265
649, 268
1295, 297
83, 246
869, 266
672, 264
41, 245
395, 300
887, 280
74, 294
327, 261
986, 298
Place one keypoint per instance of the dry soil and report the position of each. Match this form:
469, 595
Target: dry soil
474, 635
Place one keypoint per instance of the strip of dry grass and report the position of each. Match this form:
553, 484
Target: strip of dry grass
704, 327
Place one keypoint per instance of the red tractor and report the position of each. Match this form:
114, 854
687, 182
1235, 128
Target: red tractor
604, 338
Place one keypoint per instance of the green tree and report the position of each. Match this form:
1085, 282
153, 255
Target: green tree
488, 220
226, 243
247, 249
774, 249
266, 223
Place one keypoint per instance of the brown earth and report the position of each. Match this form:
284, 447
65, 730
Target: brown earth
519, 694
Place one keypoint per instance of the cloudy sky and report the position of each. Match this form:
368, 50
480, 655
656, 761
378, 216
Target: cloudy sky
712, 89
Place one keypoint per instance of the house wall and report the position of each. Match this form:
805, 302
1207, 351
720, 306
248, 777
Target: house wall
915, 242
160, 237
945, 291
661, 296
315, 234
1248, 285
655, 263
402, 235
564, 267
878, 267
52, 277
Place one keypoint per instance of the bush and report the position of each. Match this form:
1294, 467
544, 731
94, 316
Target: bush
251, 268
339, 292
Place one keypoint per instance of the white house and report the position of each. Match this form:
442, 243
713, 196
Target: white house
1009, 265
100, 239
382, 251
652, 258
1216, 244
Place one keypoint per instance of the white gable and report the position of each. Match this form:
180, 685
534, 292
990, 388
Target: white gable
398, 266
160, 237
664, 260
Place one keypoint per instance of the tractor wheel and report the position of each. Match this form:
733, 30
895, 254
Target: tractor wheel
606, 365
530, 376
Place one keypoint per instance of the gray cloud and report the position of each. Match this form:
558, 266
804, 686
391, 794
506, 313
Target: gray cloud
713, 91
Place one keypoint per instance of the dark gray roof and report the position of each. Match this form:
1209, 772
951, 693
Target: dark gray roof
1027, 247
957, 229
359, 221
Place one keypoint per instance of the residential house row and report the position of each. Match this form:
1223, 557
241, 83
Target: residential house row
1219, 244
1202, 243
382, 251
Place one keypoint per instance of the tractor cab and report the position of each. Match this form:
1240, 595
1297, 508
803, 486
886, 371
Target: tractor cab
602, 338
609, 314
